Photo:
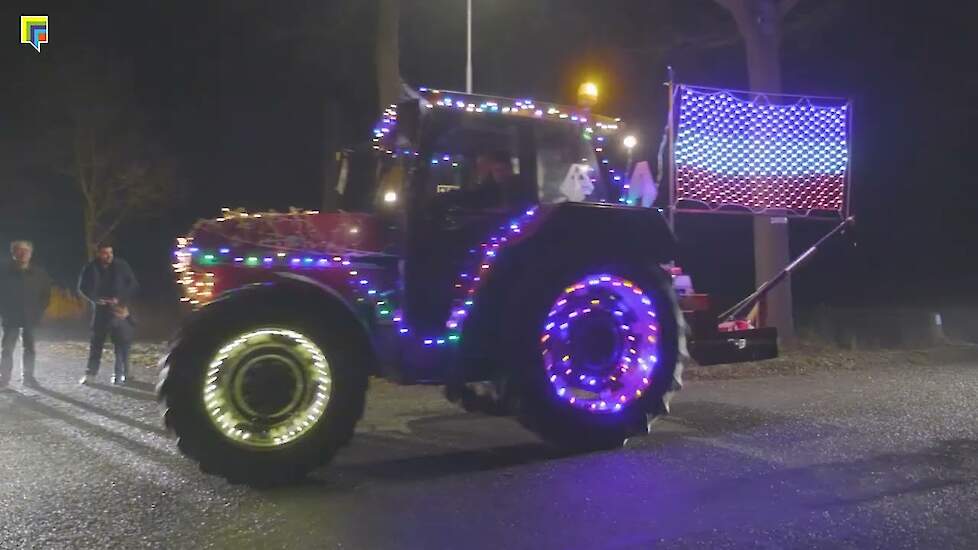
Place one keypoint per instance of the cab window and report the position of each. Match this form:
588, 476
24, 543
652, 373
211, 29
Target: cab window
490, 162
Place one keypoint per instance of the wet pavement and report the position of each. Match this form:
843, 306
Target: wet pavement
877, 457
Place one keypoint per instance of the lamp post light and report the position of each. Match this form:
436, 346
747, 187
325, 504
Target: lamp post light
629, 142
468, 47
587, 94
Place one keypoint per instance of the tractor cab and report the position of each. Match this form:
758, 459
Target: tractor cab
479, 157
447, 169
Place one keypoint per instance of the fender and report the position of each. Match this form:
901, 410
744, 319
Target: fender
629, 230
561, 231
304, 291
304, 284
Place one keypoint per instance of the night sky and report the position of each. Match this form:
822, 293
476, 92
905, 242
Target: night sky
240, 92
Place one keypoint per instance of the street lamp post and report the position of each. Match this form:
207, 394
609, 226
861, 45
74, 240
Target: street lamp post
629, 142
468, 47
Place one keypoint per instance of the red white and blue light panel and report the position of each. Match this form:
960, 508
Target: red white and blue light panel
760, 153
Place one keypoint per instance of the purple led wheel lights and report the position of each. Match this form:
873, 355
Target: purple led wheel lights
600, 343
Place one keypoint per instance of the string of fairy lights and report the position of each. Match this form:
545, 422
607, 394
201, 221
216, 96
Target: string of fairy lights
193, 265
628, 306
361, 275
728, 151
198, 265
594, 128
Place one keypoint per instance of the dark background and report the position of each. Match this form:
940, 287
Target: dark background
250, 98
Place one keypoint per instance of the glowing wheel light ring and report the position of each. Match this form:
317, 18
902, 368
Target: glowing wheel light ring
227, 405
625, 369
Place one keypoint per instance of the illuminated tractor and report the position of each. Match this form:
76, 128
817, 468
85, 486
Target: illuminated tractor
484, 244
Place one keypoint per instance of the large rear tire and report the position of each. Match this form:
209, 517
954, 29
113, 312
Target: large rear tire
594, 352
263, 397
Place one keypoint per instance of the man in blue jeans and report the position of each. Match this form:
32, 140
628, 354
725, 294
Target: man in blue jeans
110, 285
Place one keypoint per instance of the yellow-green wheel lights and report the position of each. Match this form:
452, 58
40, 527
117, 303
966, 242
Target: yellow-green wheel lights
226, 400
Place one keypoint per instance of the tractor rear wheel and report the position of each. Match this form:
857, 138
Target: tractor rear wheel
594, 353
262, 399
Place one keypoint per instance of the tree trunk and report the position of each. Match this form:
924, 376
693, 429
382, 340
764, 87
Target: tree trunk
348, 109
90, 232
759, 22
331, 142
388, 53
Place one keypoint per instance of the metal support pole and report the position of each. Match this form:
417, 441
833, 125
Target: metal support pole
468, 47
749, 301
671, 122
848, 191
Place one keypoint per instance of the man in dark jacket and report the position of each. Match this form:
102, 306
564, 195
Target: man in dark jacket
110, 285
25, 291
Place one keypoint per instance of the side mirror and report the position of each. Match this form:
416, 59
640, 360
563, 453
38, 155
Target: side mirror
343, 160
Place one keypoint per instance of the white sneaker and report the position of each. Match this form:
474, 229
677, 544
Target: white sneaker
119, 380
87, 380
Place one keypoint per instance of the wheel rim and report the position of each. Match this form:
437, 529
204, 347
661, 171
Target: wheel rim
267, 387
600, 344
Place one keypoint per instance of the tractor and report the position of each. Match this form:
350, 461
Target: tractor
485, 244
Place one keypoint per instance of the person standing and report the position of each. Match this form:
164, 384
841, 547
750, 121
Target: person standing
123, 331
110, 285
25, 290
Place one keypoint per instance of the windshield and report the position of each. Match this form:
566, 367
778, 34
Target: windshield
567, 168
498, 161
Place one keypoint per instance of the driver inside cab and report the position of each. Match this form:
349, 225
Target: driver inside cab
496, 186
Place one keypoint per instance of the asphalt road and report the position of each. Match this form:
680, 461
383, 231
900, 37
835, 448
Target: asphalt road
872, 458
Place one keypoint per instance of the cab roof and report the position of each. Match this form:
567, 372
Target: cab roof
478, 103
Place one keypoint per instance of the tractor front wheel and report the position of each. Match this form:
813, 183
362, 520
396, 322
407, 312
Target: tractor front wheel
595, 352
262, 402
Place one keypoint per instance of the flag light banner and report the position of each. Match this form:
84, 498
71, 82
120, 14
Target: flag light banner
769, 154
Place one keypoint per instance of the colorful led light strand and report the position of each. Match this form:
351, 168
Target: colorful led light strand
198, 284
384, 132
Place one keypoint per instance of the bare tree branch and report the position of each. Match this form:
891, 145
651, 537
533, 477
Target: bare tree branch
702, 42
733, 6
117, 169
